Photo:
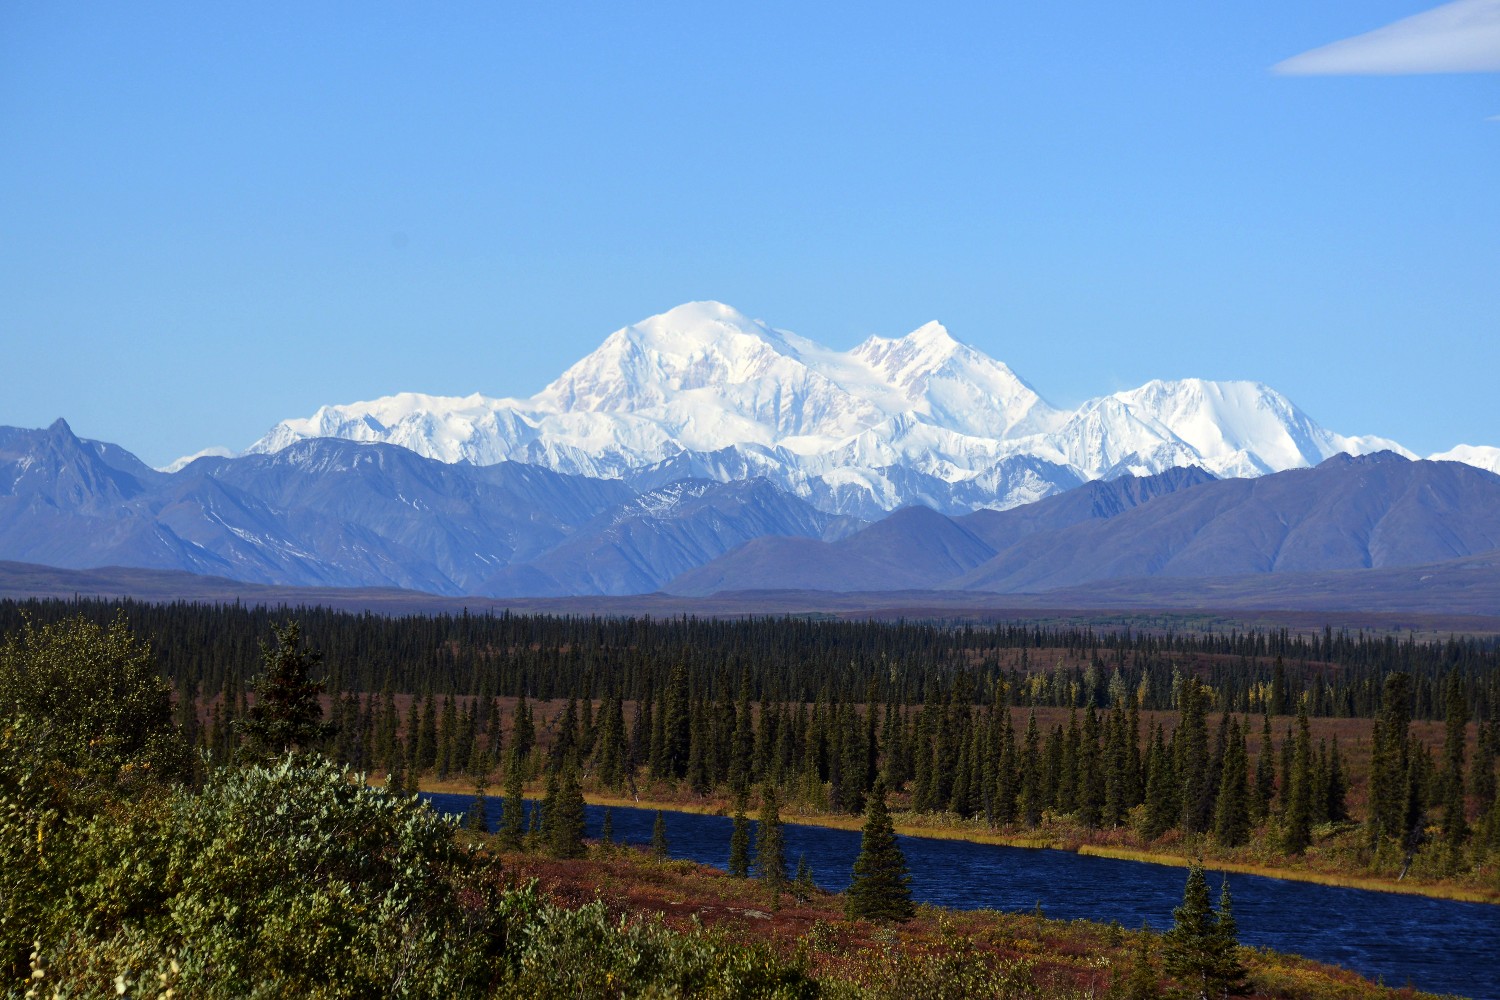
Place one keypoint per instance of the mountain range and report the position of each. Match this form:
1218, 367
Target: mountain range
1350, 513
704, 392
701, 452
333, 513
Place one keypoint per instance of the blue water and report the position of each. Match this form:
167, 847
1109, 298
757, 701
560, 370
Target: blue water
1432, 944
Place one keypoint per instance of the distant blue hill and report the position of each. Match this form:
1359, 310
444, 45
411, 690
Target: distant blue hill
329, 513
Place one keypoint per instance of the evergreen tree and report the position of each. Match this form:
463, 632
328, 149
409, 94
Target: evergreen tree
1032, 798
1161, 802
1196, 951
427, 739
1232, 809
1296, 832
287, 713
1337, 790
475, 820
565, 739
1143, 982
1455, 823
522, 735
513, 818
1193, 763
1229, 973
535, 818
1389, 763
676, 724
447, 733
770, 848
743, 749
607, 829
1089, 785
565, 817
659, 847
610, 750
739, 842
803, 885
1482, 776
1264, 795
550, 791
881, 888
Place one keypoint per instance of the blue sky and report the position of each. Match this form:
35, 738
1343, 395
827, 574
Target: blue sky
214, 218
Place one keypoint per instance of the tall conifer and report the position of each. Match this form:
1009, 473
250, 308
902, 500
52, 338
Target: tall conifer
881, 888
739, 842
770, 848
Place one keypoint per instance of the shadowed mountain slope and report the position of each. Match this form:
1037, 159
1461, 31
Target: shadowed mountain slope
1378, 511
918, 548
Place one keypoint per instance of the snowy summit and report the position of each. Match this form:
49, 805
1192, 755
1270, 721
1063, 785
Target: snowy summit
704, 391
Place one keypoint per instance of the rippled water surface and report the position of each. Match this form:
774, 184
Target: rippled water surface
1433, 944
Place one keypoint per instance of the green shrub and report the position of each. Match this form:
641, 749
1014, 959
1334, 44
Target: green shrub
291, 879
567, 954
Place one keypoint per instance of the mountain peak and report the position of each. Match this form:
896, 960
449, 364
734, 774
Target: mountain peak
931, 334
706, 390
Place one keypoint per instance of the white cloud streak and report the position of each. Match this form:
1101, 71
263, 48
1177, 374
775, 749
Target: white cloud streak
1459, 37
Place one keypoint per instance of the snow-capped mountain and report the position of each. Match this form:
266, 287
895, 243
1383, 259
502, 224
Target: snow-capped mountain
705, 391
1479, 456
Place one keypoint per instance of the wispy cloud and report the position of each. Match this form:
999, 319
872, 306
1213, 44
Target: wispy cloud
1459, 37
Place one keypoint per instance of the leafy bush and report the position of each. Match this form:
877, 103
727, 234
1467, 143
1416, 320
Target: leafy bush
563, 953
291, 879
85, 726
100, 713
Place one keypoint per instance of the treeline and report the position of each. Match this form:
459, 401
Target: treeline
216, 648
1193, 772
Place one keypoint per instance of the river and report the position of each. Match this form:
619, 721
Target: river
1436, 945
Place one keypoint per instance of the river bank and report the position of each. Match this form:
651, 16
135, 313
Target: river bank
937, 952
1106, 844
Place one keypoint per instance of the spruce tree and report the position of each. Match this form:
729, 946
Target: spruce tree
659, 847
1455, 823
447, 727
881, 888
513, 818
1143, 982
739, 842
607, 829
1482, 774
1232, 809
287, 713
475, 820
550, 791
610, 750
770, 848
427, 739
1389, 761
803, 885
1228, 973
1337, 789
1296, 832
522, 735
1197, 951
1195, 775
1032, 798
1265, 775
565, 817
1161, 803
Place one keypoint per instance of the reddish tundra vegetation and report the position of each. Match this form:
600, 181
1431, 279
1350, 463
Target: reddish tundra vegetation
936, 953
